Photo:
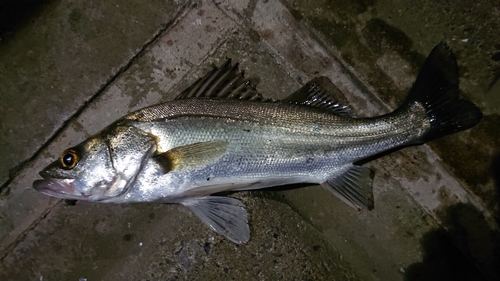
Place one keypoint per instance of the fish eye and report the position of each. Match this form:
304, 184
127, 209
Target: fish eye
69, 159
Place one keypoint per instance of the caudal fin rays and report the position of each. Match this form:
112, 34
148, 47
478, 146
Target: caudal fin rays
436, 89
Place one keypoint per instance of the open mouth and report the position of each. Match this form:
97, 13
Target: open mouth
60, 188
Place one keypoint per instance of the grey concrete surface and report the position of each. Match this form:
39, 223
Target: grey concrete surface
78, 66
62, 59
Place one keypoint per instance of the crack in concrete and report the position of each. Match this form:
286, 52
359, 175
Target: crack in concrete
20, 238
4, 188
14, 172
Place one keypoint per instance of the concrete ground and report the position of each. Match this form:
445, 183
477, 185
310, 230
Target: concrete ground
69, 68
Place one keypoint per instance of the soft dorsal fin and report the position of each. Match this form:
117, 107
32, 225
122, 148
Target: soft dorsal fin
354, 187
225, 82
320, 92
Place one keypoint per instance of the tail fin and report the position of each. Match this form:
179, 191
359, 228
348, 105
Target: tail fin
436, 88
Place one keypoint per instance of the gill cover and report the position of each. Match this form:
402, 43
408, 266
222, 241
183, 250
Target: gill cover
128, 148
103, 167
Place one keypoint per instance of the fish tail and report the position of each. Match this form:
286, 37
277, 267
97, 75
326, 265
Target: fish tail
436, 89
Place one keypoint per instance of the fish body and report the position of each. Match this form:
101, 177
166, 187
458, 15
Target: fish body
262, 145
220, 135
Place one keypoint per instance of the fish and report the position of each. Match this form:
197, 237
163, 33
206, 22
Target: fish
221, 136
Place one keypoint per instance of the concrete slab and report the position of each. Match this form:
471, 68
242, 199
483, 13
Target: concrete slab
295, 234
385, 42
38, 98
166, 242
53, 66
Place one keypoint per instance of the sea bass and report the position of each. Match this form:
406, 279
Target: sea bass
221, 136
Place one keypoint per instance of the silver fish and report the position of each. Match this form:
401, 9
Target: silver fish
220, 135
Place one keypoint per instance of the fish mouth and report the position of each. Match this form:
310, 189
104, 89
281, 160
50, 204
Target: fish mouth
60, 188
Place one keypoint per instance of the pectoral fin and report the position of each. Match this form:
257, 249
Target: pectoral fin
354, 187
225, 215
191, 155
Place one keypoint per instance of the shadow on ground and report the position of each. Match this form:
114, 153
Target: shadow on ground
495, 172
16, 13
467, 248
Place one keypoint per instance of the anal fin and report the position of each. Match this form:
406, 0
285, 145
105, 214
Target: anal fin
225, 215
354, 187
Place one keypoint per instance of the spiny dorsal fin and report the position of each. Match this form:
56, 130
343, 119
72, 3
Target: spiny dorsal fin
191, 155
320, 92
225, 82
225, 215
354, 187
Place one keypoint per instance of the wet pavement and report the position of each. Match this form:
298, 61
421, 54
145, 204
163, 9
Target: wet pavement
72, 67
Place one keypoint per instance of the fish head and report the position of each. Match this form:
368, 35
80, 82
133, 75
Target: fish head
99, 169
83, 172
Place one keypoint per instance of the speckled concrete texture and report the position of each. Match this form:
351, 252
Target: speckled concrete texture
73, 67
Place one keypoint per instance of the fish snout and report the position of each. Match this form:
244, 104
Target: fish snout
60, 188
